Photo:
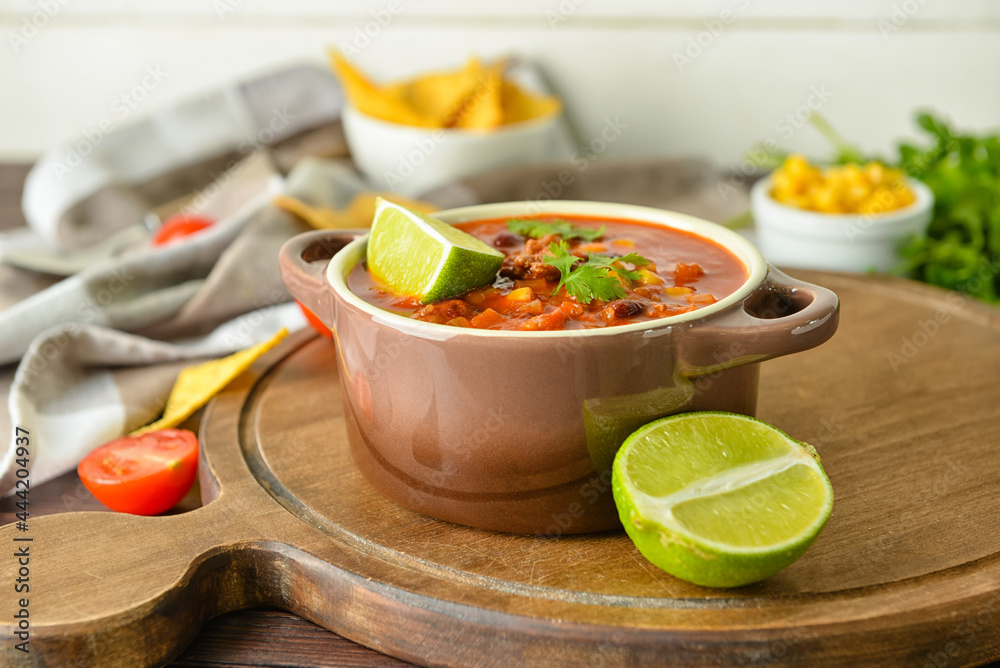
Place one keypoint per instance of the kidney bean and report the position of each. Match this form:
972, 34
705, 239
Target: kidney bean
626, 308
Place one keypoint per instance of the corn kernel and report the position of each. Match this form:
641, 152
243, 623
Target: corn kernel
646, 277
869, 188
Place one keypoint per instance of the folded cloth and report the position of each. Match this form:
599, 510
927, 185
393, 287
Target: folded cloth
82, 379
80, 192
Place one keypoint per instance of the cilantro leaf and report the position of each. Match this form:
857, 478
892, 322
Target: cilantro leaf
960, 250
537, 229
562, 260
590, 282
595, 278
609, 262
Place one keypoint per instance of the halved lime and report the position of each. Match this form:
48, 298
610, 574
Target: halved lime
719, 499
417, 255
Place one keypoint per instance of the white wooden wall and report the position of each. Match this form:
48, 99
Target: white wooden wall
65, 64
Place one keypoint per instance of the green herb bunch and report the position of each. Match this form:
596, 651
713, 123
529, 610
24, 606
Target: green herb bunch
961, 249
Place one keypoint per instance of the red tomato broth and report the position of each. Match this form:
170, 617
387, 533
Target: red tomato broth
684, 261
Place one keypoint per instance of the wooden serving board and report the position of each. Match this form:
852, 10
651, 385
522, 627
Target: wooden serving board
902, 405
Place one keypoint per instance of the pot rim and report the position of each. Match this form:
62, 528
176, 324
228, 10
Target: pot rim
345, 260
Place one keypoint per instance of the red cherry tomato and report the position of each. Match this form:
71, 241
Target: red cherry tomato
142, 475
316, 323
178, 227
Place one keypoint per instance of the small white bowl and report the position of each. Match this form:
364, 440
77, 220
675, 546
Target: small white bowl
412, 160
792, 237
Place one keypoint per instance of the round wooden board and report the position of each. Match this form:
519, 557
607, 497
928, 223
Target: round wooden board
901, 404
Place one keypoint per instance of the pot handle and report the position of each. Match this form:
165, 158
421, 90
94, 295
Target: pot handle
784, 315
303, 260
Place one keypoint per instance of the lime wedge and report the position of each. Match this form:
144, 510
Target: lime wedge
718, 499
416, 255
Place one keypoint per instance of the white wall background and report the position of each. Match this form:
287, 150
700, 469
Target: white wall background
64, 63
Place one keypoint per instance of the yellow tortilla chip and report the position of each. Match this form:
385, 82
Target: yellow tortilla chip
474, 97
359, 213
440, 95
195, 385
372, 99
519, 105
482, 110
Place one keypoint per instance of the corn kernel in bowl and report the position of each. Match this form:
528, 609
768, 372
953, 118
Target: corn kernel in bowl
867, 189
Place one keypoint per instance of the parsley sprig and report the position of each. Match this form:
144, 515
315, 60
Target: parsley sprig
595, 278
537, 229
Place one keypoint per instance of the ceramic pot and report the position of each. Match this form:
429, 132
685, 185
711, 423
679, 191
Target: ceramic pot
516, 431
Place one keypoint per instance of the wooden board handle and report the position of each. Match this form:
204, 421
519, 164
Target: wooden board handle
124, 590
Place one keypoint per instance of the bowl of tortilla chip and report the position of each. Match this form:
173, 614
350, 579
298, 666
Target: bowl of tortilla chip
412, 136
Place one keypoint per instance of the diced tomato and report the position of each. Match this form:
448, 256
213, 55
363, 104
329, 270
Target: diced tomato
180, 226
554, 320
486, 319
572, 308
314, 320
534, 307
685, 273
142, 475
703, 300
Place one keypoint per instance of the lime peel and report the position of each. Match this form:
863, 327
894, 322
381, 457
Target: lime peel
416, 255
752, 504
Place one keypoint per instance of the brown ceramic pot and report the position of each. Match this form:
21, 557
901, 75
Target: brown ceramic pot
516, 431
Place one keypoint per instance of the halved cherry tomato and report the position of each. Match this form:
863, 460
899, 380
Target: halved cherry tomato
179, 226
316, 323
142, 475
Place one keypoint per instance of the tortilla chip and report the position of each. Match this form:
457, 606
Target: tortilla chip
440, 95
474, 97
358, 214
519, 105
482, 110
372, 99
195, 385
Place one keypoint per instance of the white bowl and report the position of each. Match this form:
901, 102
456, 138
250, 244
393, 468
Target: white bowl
792, 237
412, 160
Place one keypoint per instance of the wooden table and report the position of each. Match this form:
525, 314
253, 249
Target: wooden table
263, 637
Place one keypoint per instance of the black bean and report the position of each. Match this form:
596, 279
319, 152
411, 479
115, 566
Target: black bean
504, 240
626, 308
